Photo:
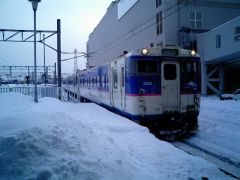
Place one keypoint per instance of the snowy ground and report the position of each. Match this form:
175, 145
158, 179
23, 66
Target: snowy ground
56, 140
219, 128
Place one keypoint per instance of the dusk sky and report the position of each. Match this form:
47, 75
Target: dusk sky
78, 19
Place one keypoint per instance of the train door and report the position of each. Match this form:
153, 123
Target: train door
170, 73
114, 85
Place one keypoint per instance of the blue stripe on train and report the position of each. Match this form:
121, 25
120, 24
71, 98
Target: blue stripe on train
150, 84
157, 117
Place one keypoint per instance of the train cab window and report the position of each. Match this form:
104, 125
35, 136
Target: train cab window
170, 71
147, 67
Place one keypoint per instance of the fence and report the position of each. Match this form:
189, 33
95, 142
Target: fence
43, 91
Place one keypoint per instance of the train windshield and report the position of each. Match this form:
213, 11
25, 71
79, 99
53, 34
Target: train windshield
146, 67
189, 70
190, 74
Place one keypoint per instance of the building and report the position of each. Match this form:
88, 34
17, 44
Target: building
133, 24
220, 54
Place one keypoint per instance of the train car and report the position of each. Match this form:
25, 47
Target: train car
157, 87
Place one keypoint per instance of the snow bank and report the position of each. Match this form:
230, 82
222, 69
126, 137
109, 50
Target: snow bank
56, 140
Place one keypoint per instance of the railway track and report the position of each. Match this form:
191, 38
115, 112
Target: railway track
223, 163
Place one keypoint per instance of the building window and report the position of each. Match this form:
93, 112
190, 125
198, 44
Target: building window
237, 33
218, 41
158, 3
159, 23
195, 19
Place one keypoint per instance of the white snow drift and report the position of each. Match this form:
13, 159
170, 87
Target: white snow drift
56, 140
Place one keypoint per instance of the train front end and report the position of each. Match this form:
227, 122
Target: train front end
163, 88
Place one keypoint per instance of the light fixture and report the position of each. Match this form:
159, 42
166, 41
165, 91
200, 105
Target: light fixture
193, 53
34, 4
145, 51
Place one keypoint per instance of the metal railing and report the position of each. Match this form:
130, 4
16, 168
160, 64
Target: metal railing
43, 91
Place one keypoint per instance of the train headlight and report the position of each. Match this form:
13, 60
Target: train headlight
145, 51
193, 53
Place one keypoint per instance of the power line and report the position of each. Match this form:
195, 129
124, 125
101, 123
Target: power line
2, 59
73, 57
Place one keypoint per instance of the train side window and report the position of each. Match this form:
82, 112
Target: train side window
98, 81
105, 81
102, 82
122, 76
170, 71
115, 79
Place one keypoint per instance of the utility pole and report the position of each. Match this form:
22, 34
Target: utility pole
59, 58
75, 69
44, 59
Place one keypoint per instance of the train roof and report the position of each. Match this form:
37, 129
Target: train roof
164, 51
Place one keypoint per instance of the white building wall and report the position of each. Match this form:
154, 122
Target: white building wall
207, 41
224, 55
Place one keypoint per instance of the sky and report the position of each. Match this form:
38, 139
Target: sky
78, 19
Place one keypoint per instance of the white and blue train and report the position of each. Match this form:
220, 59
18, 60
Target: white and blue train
155, 86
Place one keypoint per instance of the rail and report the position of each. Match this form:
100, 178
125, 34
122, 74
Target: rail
221, 162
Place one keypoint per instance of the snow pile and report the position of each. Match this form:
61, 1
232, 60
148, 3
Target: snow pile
56, 140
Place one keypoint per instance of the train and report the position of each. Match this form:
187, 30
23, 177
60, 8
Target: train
158, 87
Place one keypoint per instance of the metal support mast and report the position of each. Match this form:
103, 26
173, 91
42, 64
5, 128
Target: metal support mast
59, 56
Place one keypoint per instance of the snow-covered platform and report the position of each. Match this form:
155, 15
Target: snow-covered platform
56, 140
